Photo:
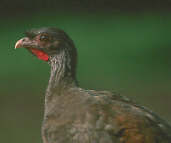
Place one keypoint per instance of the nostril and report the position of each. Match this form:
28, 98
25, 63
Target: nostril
24, 39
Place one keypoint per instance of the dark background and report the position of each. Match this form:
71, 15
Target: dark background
123, 46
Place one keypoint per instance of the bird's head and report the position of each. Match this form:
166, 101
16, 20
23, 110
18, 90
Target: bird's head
47, 42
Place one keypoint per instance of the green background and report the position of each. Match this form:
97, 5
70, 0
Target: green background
124, 52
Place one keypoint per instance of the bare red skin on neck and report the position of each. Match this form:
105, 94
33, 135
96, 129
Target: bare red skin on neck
40, 54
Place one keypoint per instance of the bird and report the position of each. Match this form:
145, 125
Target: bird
76, 115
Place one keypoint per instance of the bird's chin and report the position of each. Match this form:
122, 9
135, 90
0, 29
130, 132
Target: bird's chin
39, 54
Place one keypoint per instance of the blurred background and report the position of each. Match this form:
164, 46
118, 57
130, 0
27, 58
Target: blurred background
123, 46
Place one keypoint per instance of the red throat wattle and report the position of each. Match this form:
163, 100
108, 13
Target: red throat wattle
40, 54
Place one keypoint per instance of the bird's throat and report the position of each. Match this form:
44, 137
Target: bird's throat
40, 54
61, 75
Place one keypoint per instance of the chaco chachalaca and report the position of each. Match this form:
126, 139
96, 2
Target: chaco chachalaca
76, 115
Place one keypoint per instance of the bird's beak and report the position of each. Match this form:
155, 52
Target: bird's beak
25, 43
19, 43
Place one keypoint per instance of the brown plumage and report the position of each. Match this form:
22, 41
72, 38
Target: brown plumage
75, 115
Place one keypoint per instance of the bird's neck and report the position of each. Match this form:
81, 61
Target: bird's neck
62, 74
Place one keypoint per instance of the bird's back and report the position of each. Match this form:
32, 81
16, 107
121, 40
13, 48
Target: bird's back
87, 116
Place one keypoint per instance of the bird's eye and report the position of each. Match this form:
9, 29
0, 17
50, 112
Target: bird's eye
44, 38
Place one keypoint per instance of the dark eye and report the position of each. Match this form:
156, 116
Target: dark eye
44, 38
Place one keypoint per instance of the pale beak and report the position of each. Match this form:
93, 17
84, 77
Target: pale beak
19, 43
26, 43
